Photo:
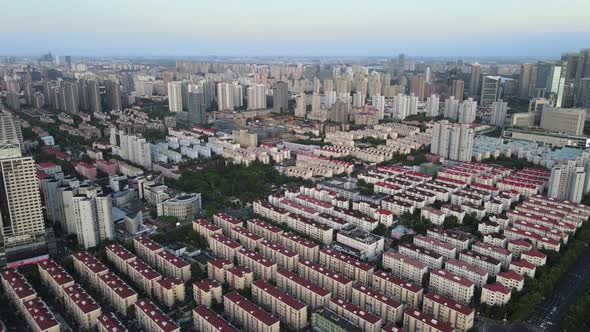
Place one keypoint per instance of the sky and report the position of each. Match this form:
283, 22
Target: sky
294, 28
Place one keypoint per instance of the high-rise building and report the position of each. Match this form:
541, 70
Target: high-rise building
490, 90
457, 88
208, 93
94, 96
526, 83
127, 84
256, 97
225, 98
583, 93
238, 95
451, 109
378, 101
21, 216
131, 147
404, 105
564, 120
113, 95
13, 101
475, 79
567, 181
175, 97
280, 97
301, 105
401, 63
418, 86
432, 106
71, 97
28, 90
452, 141
467, 111
499, 110
196, 108
92, 216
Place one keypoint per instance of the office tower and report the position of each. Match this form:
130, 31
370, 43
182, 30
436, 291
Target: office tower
21, 216
564, 120
256, 97
475, 79
301, 105
196, 108
451, 109
567, 181
94, 96
208, 88
280, 97
13, 101
457, 88
490, 90
113, 95
467, 111
71, 98
525, 84
225, 99
499, 110
432, 105
452, 141
418, 86
404, 105
378, 101
28, 89
92, 216
175, 97
130, 147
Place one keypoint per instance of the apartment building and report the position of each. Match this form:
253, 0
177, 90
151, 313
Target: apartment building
144, 276
269, 211
501, 254
246, 238
495, 294
226, 222
117, 293
397, 288
223, 247
348, 266
170, 291
239, 277
205, 228
417, 321
285, 258
446, 310
311, 228
523, 267
405, 267
81, 306
457, 288
383, 306
247, 316
366, 321
264, 229
207, 290
472, 272
456, 238
436, 216
306, 249
511, 279
172, 266
518, 246
108, 322
428, 257
288, 310
490, 264
39, 317
17, 288
302, 289
438, 246
496, 239
337, 284
217, 267
369, 245
205, 320
89, 268
54, 276
261, 266
534, 257
119, 257
151, 319
147, 250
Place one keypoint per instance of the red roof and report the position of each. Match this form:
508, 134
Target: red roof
156, 315
206, 284
497, 288
145, 270
523, 263
298, 239
304, 282
278, 248
398, 281
83, 301
148, 243
41, 314
347, 259
215, 320
120, 251
454, 278
534, 253
109, 322
173, 259
117, 285
169, 282
251, 308
256, 257
430, 320
225, 240
219, 262
356, 310
511, 274
377, 296
328, 273
449, 303
18, 283
57, 273
91, 262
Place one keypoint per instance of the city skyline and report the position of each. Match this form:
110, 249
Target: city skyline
378, 28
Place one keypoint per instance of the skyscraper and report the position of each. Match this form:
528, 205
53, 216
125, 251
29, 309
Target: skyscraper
71, 97
452, 141
113, 95
467, 111
526, 75
301, 105
457, 88
490, 90
404, 105
280, 97
94, 96
432, 106
451, 109
378, 101
196, 108
418, 86
225, 99
475, 79
92, 216
499, 110
256, 96
175, 97
567, 181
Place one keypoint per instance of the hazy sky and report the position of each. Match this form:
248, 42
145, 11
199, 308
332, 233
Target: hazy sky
299, 27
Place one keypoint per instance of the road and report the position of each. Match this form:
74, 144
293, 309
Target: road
549, 313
